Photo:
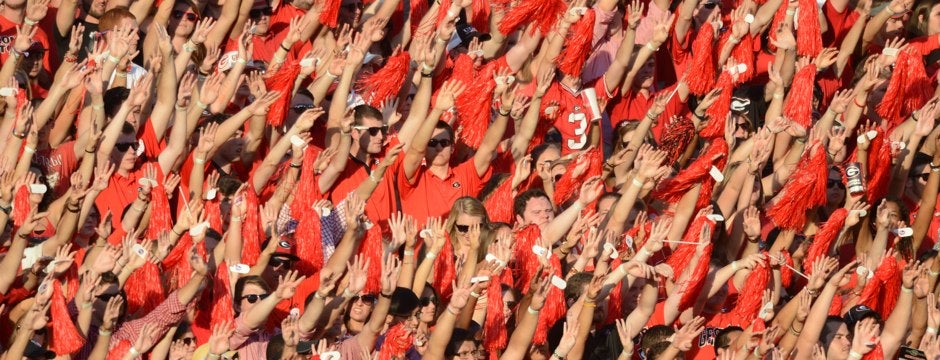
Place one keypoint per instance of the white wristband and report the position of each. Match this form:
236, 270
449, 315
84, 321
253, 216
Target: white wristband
430, 255
931, 330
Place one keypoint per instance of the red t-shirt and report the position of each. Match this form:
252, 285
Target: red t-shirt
58, 164
634, 106
432, 196
8, 35
839, 24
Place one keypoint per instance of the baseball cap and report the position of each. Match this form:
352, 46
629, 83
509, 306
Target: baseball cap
858, 313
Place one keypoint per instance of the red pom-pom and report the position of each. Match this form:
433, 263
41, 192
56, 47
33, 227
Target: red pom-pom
683, 256
307, 236
808, 34
824, 238
387, 82
371, 250
799, 106
65, 337
222, 304
578, 46
398, 340
494, 331
283, 82
143, 289
542, 12
718, 112
474, 104
445, 271
676, 139
672, 189
481, 14
700, 78
804, 190
329, 13
908, 90
499, 203
252, 233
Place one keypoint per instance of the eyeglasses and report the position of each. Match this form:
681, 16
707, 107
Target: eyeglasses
122, 147
253, 298
428, 300
178, 14
367, 298
462, 228
257, 13
433, 143
469, 354
278, 262
375, 130
300, 108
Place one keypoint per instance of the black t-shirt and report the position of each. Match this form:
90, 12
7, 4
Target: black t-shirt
88, 42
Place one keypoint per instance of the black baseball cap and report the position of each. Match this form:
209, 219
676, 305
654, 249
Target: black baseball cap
467, 33
858, 313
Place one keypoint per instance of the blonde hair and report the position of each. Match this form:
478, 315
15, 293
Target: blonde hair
469, 206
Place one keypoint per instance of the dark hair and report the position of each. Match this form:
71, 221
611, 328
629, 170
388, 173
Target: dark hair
576, 283
829, 330
538, 150
723, 337
113, 98
655, 335
447, 128
519, 203
456, 339
244, 281
228, 185
654, 351
128, 129
365, 111
275, 347
611, 194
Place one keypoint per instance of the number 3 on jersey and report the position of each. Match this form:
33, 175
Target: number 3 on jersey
580, 131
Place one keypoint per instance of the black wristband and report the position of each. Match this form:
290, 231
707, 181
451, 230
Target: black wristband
285, 48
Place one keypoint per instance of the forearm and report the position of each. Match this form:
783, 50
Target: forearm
10, 265
229, 85
521, 337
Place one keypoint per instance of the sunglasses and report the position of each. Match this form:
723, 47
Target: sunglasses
428, 300
178, 14
834, 183
253, 298
257, 13
107, 297
367, 298
433, 143
710, 5
375, 130
300, 108
276, 262
462, 228
122, 147
923, 176
558, 177
188, 340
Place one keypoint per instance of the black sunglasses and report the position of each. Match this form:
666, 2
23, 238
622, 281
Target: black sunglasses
375, 130
923, 176
558, 177
178, 14
428, 300
188, 340
367, 298
462, 228
253, 298
256, 13
834, 183
433, 143
107, 297
277, 262
710, 5
122, 147
300, 108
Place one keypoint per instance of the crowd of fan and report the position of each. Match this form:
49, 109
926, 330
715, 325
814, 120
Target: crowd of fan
487, 179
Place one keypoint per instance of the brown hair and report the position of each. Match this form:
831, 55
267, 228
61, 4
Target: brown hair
473, 207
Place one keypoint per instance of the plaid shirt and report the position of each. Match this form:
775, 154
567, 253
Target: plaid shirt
167, 314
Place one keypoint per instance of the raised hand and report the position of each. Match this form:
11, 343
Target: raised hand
690, 331
219, 340
390, 272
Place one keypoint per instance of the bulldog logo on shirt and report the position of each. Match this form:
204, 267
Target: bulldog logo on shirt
456, 184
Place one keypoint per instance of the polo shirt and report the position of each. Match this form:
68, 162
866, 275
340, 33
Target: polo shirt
384, 200
432, 196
